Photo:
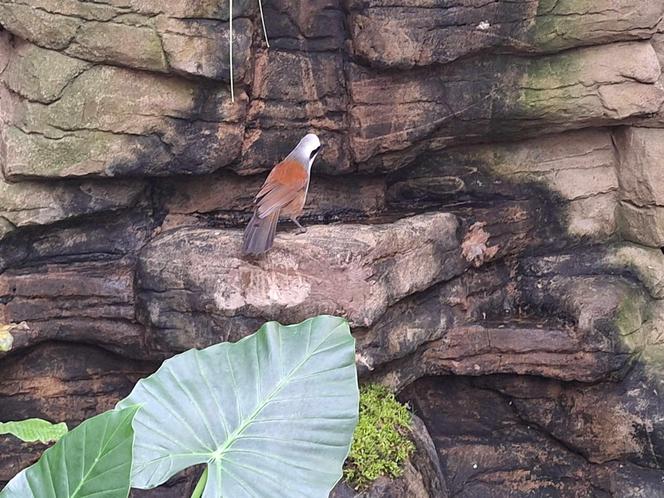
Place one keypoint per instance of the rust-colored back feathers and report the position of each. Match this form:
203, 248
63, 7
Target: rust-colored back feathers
283, 192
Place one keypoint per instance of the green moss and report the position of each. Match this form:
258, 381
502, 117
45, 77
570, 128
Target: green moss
549, 83
557, 24
76, 154
632, 321
645, 262
381, 444
629, 319
653, 354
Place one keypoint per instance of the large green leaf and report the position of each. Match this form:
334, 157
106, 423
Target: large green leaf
91, 461
272, 415
34, 429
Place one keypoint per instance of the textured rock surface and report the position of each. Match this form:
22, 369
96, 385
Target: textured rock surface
413, 33
86, 302
38, 203
367, 270
593, 329
111, 121
642, 184
644, 225
141, 35
76, 382
577, 169
488, 212
592, 86
488, 448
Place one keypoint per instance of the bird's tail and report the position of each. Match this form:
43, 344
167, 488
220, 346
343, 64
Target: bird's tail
259, 234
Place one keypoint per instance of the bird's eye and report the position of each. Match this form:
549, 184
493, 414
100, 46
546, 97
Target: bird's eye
314, 152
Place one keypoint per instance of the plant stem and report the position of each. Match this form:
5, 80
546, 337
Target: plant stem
200, 486
230, 45
260, 6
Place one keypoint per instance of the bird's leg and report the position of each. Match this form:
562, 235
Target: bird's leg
301, 228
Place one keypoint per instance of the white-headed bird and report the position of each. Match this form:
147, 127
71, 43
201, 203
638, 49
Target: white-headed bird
283, 195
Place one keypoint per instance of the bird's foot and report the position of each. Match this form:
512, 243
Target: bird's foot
301, 229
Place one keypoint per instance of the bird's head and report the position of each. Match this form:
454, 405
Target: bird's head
307, 150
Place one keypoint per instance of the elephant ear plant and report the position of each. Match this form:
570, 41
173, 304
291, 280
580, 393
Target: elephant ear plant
34, 429
92, 460
271, 415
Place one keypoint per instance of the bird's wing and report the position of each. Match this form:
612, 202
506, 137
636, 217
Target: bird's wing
282, 185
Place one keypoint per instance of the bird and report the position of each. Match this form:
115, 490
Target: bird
282, 195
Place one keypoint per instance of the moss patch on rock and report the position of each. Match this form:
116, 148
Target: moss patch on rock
550, 82
381, 443
646, 263
632, 321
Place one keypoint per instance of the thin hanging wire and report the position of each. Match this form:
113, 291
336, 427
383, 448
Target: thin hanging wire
260, 6
230, 45
230, 40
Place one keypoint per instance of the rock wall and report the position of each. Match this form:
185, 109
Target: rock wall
488, 213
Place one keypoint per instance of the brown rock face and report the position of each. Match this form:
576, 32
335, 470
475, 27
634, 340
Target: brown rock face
642, 182
489, 447
488, 213
393, 111
368, 269
75, 381
421, 33
38, 203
